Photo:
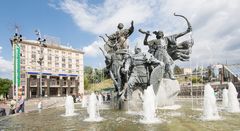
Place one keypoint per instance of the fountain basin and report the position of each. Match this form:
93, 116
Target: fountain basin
119, 120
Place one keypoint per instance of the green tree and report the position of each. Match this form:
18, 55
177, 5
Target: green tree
5, 84
86, 83
177, 70
94, 75
196, 80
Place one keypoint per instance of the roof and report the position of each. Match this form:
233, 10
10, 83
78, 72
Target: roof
234, 69
51, 45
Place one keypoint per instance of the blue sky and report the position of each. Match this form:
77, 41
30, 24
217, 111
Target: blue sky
216, 28
30, 15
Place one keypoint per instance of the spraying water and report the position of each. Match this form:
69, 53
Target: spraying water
225, 98
167, 92
210, 111
93, 110
84, 101
233, 104
69, 106
149, 107
100, 99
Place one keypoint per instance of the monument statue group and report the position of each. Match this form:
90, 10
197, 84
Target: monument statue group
132, 71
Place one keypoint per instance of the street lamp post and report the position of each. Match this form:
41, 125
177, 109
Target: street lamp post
41, 57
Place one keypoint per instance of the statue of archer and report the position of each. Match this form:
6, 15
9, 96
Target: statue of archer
166, 49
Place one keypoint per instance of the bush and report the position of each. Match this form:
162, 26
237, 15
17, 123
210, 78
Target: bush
196, 80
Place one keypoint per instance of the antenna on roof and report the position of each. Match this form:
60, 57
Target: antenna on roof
16, 28
38, 33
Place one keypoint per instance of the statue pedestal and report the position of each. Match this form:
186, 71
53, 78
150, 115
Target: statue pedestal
135, 104
167, 92
165, 96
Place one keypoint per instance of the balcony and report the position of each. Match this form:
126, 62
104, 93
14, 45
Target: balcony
54, 83
33, 83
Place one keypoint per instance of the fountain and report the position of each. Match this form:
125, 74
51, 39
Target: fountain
69, 106
39, 106
225, 98
100, 99
233, 104
149, 107
84, 101
132, 73
210, 111
93, 110
167, 93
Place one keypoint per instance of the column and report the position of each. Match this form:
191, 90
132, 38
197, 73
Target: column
68, 85
61, 84
48, 86
76, 85
28, 86
38, 86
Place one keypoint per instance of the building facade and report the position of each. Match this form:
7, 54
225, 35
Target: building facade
61, 70
187, 71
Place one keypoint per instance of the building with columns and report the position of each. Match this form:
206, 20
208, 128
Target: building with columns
62, 69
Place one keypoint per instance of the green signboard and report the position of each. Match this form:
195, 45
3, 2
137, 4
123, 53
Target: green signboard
17, 65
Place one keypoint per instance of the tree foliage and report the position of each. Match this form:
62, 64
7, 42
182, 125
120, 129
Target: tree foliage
5, 84
94, 75
196, 80
177, 70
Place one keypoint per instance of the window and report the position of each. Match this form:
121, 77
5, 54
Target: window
63, 59
22, 75
22, 61
57, 64
33, 56
63, 65
56, 58
70, 71
33, 47
69, 60
77, 66
22, 67
63, 52
69, 65
56, 51
49, 58
49, 50
49, 63
23, 82
22, 46
77, 60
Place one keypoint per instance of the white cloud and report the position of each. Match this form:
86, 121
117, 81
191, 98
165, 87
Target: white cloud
5, 66
104, 18
93, 50
216, 27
